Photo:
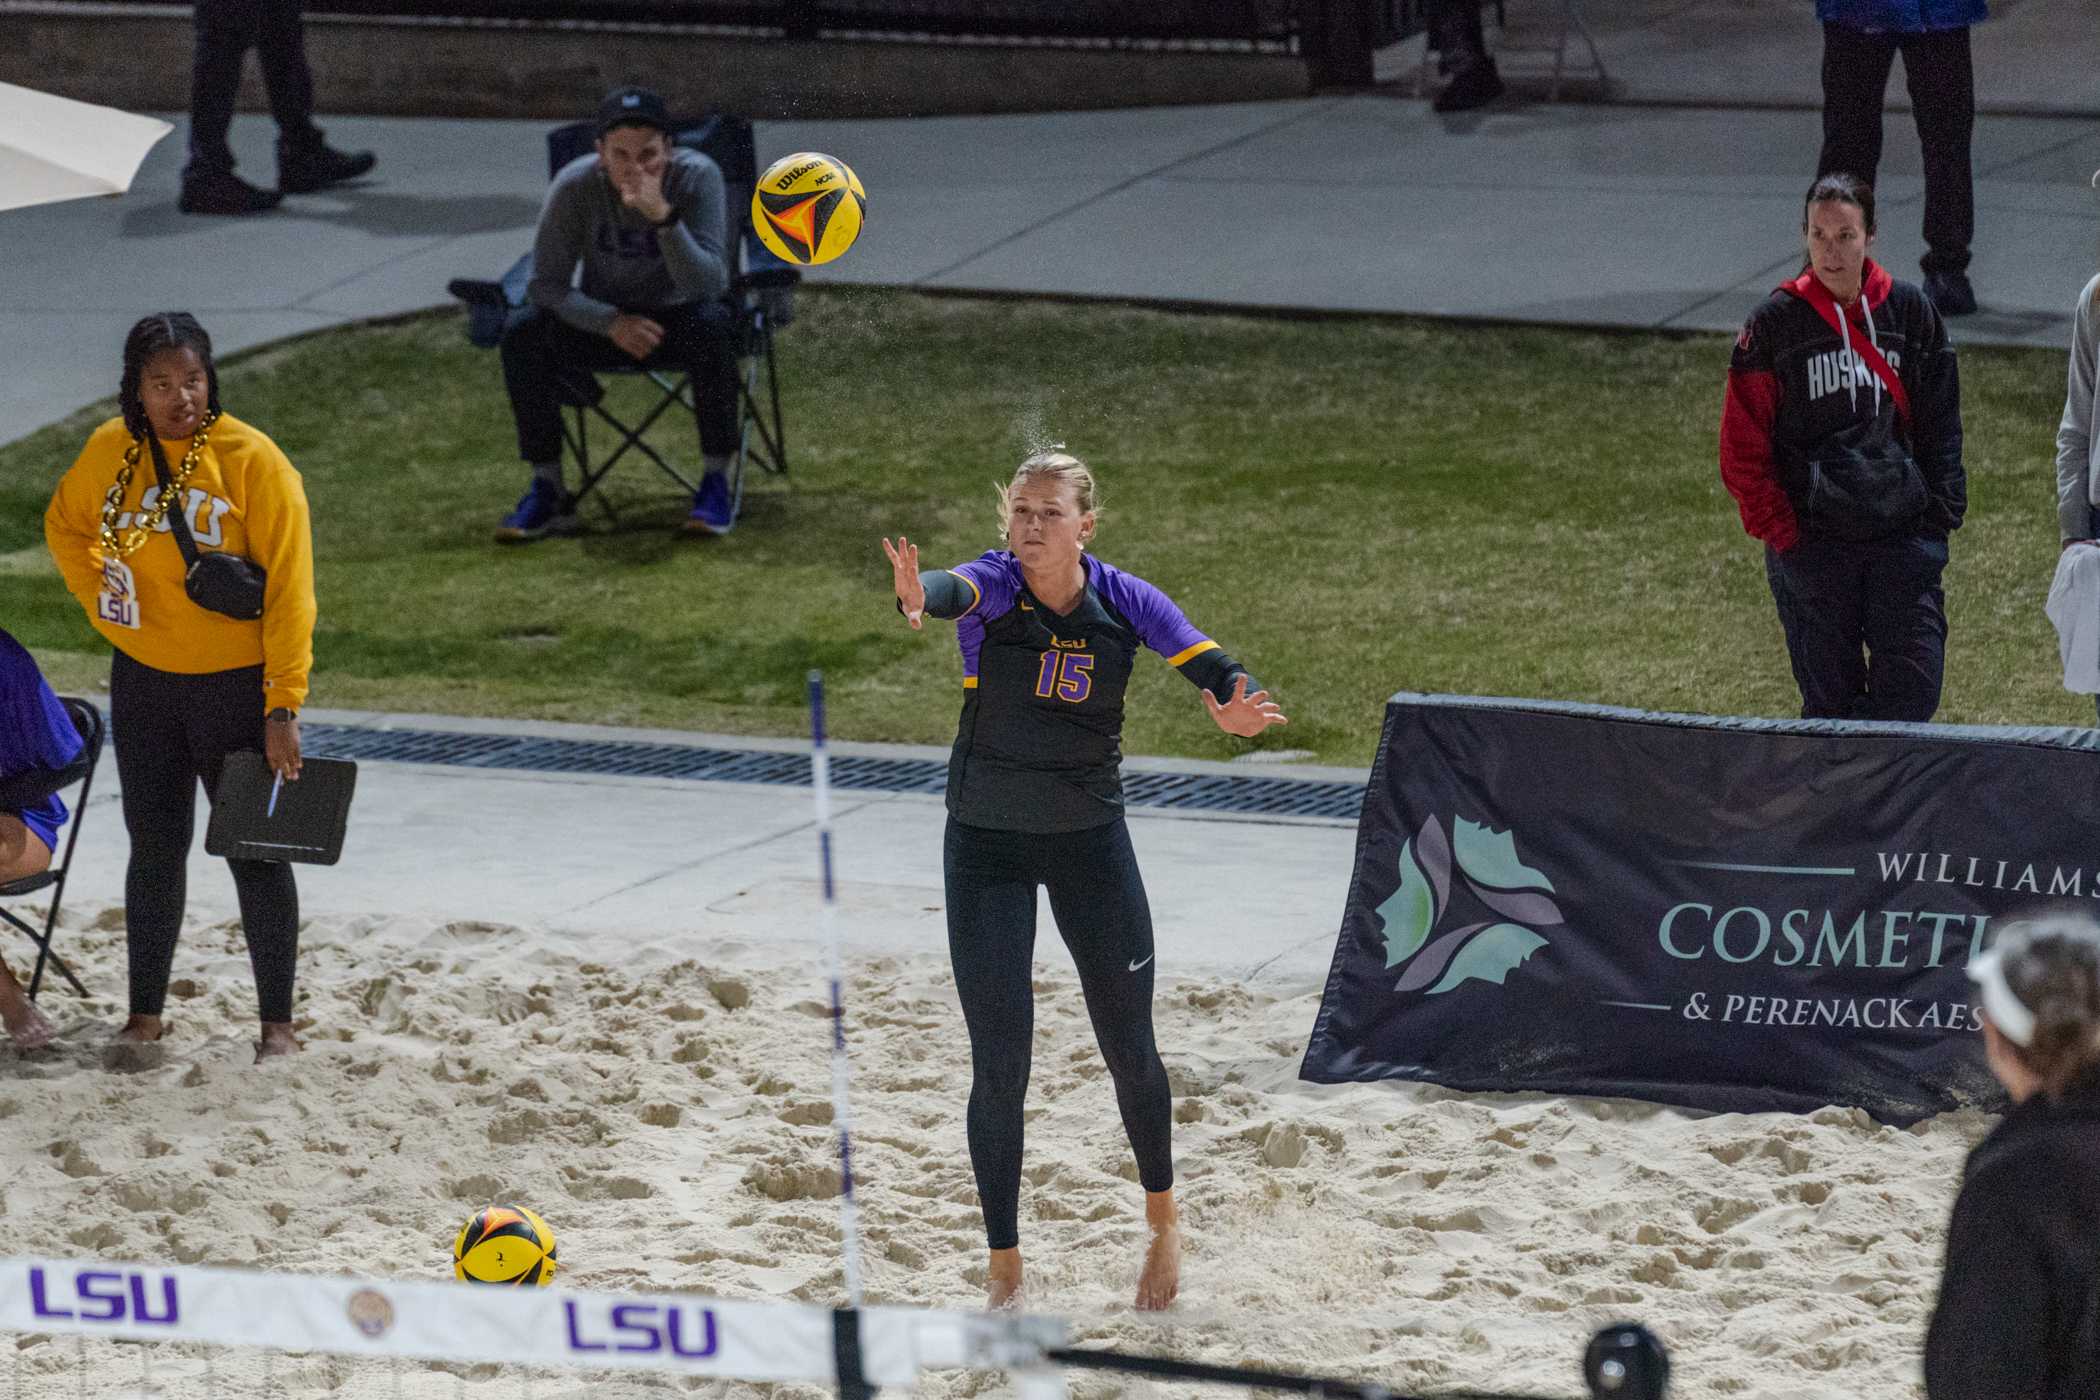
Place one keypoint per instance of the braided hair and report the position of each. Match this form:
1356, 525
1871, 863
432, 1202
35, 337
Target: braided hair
164, 330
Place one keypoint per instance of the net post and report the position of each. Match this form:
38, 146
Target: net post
845, 1350
841, 1104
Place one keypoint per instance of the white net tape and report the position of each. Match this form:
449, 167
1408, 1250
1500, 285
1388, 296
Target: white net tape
535, 1327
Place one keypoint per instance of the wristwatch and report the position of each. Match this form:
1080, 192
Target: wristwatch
281, 715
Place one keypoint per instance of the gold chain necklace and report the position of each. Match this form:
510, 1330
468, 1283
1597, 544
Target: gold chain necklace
121, 545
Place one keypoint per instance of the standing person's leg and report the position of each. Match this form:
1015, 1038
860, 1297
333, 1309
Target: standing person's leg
23, 852
1855, 80
149, 732
699, 338
1906, 628
1098, 898
227, 720
224, 32
1461, 44
1941, 76
305, 161
536, 350
991, 942
1819, 588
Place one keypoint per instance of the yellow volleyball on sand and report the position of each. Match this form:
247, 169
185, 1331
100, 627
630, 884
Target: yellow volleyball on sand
808, 208
504, 1245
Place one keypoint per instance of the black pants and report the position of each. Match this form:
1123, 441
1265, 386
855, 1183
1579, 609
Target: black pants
170, 731
1455, 32
699, 339
225, 31
1942, 84
1098, 900
1866, 625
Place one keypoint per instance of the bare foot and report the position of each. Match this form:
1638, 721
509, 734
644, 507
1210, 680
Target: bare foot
136, 1047
1002, 1285
277, 1039
1160, 1279
27, 1026
141, 1030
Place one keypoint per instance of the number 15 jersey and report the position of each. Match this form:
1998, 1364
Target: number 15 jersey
1040, 743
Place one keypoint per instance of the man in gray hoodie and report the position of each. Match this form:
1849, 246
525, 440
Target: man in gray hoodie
646, 221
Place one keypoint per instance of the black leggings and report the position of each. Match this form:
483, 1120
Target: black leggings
1098, 900
170, 731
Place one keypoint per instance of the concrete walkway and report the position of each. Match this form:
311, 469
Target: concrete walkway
663, 860
2033, 57
1581, 213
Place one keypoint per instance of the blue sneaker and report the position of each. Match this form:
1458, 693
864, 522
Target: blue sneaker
714, 513
543, 509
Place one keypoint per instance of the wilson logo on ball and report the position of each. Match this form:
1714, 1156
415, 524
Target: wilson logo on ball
807, 208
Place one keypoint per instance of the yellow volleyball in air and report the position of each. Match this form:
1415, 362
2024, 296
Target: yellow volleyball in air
808, 208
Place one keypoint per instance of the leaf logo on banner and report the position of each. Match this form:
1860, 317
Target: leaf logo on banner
1486, 864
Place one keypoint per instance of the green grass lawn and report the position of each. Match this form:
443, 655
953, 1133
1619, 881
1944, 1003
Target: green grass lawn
1353, 507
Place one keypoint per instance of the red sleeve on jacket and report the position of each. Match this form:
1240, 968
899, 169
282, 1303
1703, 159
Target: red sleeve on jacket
1747, 468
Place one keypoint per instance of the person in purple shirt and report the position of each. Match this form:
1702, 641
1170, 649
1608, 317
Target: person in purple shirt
1049, 635
38, 745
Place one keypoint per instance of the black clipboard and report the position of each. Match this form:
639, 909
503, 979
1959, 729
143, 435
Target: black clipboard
308, 821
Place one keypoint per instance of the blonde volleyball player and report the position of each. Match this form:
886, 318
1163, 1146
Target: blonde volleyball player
1049, 636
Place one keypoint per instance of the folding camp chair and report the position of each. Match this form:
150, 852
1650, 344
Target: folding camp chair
761, 299
88, 720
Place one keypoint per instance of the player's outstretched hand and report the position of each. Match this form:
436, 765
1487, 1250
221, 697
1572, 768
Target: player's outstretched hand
1245, 715
904, 564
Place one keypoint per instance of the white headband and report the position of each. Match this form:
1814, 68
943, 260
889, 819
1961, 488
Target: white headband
2012, 1018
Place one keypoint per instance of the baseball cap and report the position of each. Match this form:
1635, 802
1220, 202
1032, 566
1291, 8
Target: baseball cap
633, 106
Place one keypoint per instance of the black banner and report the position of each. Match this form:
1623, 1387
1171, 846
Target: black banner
1740, 915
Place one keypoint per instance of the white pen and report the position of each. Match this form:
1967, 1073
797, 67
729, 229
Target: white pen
275, 788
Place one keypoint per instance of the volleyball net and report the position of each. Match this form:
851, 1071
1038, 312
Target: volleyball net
165, 1331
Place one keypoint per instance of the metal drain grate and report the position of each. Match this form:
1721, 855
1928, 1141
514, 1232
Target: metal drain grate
1189, 792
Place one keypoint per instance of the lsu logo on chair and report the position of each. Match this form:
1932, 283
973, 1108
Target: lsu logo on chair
808, 208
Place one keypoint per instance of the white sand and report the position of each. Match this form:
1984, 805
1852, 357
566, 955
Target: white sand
664, 1102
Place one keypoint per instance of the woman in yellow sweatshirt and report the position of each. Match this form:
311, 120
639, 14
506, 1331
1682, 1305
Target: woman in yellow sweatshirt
190, 685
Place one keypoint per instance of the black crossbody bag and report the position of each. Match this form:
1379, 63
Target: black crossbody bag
225, 583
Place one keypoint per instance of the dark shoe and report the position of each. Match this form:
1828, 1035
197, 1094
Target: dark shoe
223, 192
544, 509
1476, 85
313, 168
714, 513
1951, 293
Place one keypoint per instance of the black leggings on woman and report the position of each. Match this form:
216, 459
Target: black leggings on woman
170, 731
1098, 899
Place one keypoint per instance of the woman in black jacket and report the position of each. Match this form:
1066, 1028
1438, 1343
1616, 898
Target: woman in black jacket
1841, 442
2018, 1316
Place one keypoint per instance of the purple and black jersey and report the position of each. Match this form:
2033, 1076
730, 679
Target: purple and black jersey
37, 739
1040, 744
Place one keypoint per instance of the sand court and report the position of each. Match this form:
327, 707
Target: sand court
627, 1031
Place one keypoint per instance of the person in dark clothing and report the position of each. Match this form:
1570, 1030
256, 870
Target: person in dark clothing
1861, 39
1049, 636
2018, 1312
647, 222
225, 31
1841, 441
1461, 45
